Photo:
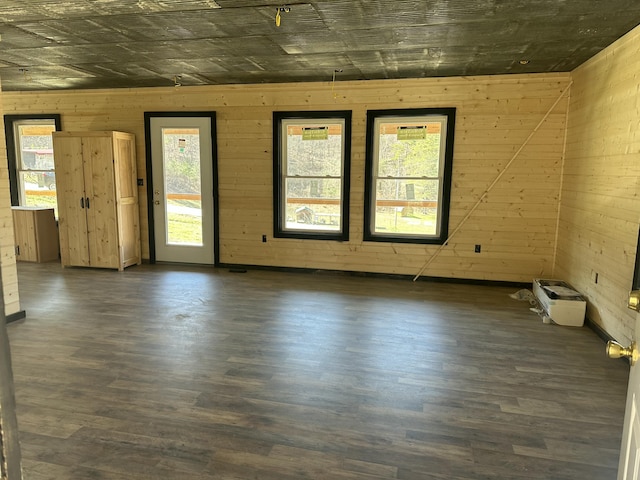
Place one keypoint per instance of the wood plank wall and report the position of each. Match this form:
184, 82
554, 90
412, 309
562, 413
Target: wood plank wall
600, 206
516, 224
7, 241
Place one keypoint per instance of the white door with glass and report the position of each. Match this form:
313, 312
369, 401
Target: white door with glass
182, 199
630, 449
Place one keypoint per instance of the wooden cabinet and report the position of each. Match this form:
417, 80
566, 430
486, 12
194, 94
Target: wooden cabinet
36, 234
97, 199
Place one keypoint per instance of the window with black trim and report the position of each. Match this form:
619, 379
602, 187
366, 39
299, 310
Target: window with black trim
408, 175
32, 176
311, 159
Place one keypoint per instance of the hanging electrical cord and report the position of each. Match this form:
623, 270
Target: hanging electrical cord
333, 82
490, 187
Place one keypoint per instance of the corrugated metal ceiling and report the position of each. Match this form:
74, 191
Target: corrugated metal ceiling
53, 44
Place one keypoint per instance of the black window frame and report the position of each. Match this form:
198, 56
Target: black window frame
370, 189
279, 220
12, 160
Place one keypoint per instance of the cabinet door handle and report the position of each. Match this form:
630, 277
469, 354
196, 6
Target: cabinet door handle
81, 202
87, 203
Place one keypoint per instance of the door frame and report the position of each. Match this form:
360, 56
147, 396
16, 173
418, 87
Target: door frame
149, 164
635, 284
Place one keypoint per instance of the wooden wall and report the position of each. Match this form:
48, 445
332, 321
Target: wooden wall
600, 207
516, 224
7, 242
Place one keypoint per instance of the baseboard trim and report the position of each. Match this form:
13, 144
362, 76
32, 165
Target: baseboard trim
598, 330
14, 317
240, 268
604, 336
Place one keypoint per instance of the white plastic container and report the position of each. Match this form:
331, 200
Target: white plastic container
562, 306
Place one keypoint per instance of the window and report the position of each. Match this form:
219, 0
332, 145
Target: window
32, 174
311, 174
408, 175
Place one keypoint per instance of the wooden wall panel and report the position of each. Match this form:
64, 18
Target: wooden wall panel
7, 241
516, 225
600, 206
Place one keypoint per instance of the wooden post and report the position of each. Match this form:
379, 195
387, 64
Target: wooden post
11, 464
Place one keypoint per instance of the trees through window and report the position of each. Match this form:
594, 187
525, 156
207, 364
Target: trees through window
30, 154
311, 172
408, 175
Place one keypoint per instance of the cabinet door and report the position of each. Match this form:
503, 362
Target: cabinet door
102, 227
126, 190
74, 248
24, 231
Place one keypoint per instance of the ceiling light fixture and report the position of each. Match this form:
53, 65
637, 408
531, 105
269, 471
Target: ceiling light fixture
280, 10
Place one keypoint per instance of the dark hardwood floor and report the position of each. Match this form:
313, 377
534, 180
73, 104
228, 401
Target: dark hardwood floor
165, 372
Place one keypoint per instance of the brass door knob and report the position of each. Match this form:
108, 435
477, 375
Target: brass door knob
615, 350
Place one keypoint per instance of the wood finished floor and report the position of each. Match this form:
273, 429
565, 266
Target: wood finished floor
163, 372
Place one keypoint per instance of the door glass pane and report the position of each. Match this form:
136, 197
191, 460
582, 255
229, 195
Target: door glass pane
182, 188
